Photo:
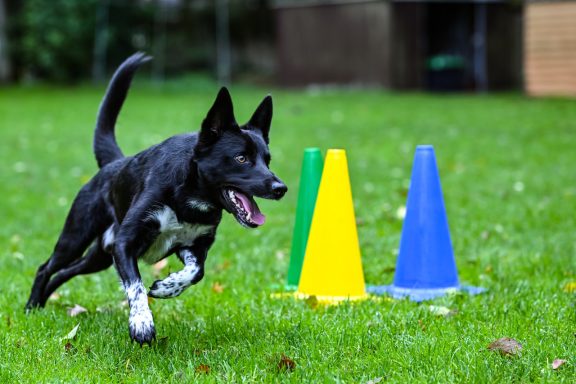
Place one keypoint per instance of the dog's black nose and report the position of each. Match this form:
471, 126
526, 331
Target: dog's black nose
279, 189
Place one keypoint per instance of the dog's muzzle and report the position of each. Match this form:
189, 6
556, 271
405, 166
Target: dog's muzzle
278, 189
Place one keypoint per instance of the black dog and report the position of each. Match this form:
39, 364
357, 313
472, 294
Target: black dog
164, 200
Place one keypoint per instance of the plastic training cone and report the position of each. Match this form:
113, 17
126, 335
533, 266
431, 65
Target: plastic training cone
308, 190
332, 269
425, 267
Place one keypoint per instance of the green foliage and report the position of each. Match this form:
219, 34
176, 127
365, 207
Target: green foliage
54, 40
58, 35
507, 170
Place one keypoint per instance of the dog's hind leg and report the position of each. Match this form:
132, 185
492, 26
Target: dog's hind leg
96, 260
85, 221
68, 248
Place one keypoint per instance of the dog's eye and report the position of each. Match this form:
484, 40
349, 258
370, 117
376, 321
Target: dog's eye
240, 158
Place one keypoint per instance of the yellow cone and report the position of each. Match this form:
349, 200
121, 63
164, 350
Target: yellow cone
332, 269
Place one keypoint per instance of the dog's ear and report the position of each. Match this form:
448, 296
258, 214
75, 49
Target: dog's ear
219, 118
262, 117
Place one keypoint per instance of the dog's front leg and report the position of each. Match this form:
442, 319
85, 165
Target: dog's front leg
141, 323
132, 240
193, 271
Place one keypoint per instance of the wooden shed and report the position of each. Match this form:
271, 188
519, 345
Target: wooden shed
400, 44
550, 48
333, 42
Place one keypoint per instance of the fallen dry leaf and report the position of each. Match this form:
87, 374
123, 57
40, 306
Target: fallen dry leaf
557, 363
389, 269
162, 342
76, 310
158, 267
286, 363
312, 301
217, 287
72, 334
68, 347
442, 311
422, 325
203, 368
376, 380
104, 308
506, 346
55, 296
224, 266
570, 287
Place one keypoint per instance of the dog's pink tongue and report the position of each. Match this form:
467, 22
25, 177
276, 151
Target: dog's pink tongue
256, 216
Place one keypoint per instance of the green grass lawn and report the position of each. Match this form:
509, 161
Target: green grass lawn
507, 165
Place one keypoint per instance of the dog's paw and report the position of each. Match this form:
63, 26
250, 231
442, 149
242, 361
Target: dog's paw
32, 306
34, 302
164, 289
141, 327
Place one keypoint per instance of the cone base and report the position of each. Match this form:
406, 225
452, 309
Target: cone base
421, 294
281, 288
290, 288
326, 300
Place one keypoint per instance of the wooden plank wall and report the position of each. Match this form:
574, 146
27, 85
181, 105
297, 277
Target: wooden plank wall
334, 44
408, 43
550, 48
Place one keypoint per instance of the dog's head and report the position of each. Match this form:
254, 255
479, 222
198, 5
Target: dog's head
234, 160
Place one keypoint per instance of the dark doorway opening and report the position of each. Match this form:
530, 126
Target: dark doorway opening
449, 53
456, 46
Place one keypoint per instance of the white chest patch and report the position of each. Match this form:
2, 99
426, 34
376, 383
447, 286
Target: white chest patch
172, 233
200, 205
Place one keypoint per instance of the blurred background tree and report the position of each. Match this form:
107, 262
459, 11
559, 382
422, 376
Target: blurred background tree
5, 69
71, 40
56, 40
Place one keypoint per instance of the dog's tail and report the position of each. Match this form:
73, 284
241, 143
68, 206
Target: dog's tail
105, 147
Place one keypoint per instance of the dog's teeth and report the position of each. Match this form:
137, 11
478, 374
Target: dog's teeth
232, 196
239, 206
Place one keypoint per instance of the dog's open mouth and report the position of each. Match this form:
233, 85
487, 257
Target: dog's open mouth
244, 208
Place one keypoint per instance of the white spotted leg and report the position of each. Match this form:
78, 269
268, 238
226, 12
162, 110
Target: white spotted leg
140, 321
175, 283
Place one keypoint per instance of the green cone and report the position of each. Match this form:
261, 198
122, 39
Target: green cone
309, 182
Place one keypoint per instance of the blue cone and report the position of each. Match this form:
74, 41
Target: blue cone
425, 268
